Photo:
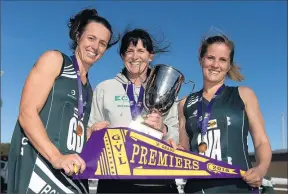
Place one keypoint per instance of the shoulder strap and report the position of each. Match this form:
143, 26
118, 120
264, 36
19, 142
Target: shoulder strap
188, 100
66, 62
232, 97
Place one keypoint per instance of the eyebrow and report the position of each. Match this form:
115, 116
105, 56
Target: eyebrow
100, 40
103, 41
214, 56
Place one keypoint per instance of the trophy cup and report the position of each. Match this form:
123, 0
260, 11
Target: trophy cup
161, 91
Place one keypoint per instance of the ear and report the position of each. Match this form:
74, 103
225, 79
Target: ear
151, 57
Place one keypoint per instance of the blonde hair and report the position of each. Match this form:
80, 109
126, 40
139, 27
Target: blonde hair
234, 71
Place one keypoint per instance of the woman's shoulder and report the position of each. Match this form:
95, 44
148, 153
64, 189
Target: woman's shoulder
52, 56
242, 92
246, 94
49, 63
245, 90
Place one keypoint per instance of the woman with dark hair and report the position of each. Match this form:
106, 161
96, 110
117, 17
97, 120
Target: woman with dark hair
216, 120
112, 104
56, 101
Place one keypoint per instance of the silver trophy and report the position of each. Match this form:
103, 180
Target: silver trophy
161, 91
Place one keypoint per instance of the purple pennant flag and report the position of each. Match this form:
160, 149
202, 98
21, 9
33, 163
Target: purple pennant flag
123, 153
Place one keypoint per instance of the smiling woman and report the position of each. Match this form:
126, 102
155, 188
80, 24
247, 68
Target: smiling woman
118, 101
226, 61
91, 35
216, 120
54, 111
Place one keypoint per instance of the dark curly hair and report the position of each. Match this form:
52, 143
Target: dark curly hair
78, 23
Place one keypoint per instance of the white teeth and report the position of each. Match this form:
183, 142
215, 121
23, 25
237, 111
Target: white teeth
214, 71
135, 63
91, 54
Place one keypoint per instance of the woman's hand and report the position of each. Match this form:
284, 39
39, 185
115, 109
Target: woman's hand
96, 127
70, 163
180, 147
254, 177
172, 143
155, 121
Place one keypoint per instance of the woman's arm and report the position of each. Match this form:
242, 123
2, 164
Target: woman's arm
257, 130
183, 138
36, 90
171, 125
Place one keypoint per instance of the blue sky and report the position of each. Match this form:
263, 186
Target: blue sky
259, 30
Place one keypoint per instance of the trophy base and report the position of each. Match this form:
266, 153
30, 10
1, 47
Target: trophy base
136, 125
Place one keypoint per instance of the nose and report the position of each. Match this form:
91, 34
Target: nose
95, 45
134, 55
215, 63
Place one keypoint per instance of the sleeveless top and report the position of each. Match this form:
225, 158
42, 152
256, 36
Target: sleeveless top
60, 119
226, 138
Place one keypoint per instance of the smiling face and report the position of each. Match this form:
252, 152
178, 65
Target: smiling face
93, 43
137, 58
216, 63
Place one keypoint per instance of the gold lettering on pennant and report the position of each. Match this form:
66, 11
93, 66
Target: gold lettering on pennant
143, 155
187, 164
162, 146
152, 160
162, 160
178, 162
220, 169
195, 165
113, 159
135, 152
171, 160
149, 156
119, 152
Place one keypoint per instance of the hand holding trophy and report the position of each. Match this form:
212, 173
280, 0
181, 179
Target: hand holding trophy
155, 120
163, 86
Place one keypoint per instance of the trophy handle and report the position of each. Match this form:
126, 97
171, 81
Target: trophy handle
189, 81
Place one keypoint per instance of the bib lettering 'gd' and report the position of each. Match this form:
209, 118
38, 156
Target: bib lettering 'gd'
122, 153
